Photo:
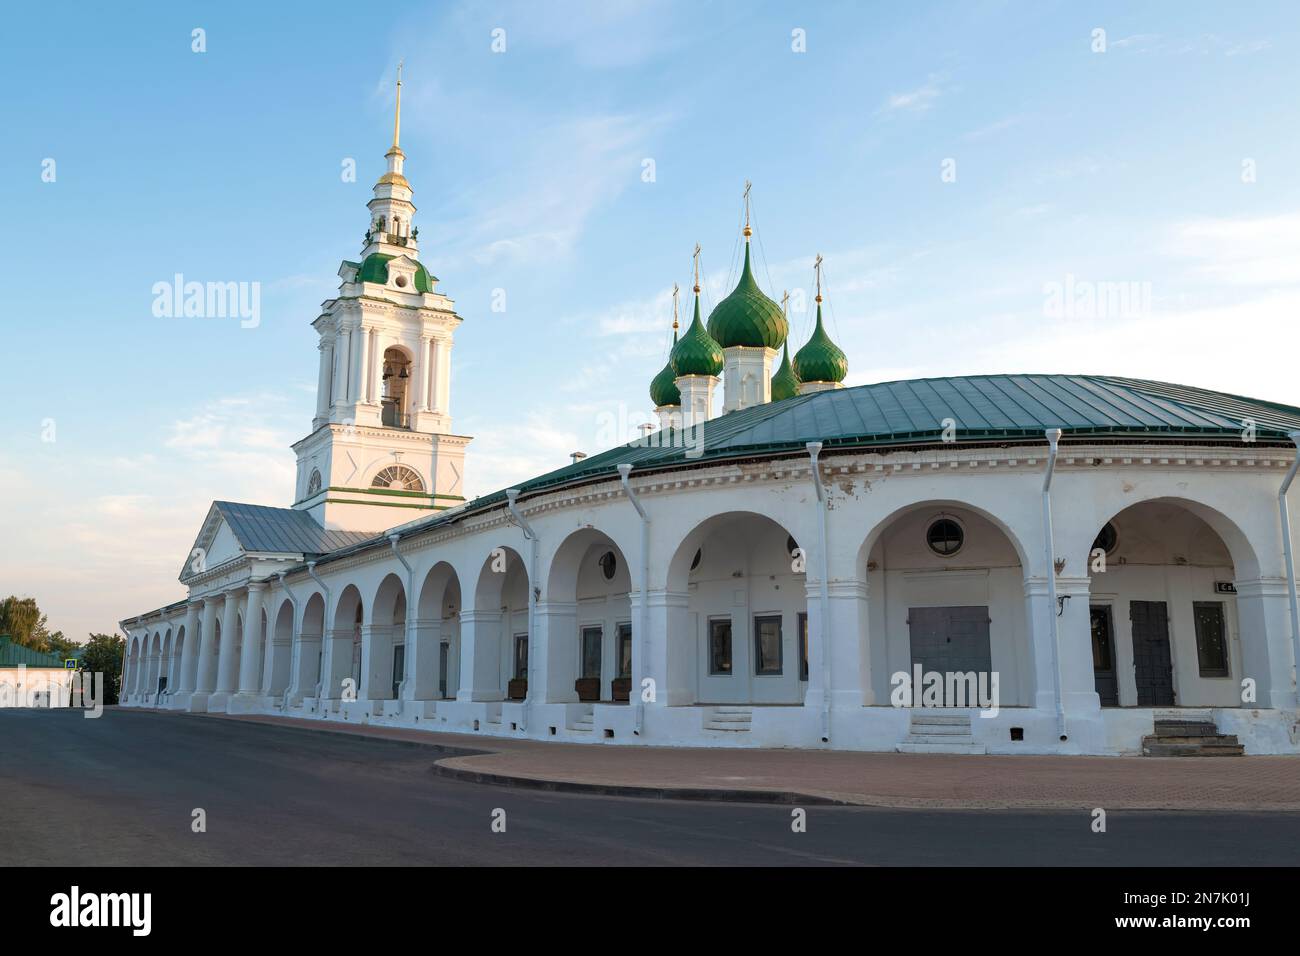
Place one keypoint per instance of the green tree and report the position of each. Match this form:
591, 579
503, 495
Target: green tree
103, 655
23, 621
60, 646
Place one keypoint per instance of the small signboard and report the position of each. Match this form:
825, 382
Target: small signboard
1224, 587
70, 664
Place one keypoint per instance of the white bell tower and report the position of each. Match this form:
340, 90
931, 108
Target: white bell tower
381, 452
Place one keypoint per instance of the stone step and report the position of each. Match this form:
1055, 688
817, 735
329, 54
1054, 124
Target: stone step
1185, 750
908, 747
921, 717
945, 729
922, 737
1185, 728
1208, 740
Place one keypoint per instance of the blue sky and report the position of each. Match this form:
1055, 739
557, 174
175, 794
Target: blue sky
1116, 166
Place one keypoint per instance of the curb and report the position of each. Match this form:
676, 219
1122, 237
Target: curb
777, 797
487, 778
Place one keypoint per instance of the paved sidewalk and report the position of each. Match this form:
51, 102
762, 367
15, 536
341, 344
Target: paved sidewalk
864, 779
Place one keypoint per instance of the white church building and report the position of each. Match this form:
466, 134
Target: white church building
1074, 564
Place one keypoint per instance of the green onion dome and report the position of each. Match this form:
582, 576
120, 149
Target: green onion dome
663, 387
697, 353
375, 269
785, 384
821, 360
748, 317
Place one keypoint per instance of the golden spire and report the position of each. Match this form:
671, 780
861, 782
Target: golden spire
675, 306
817, 269
696, 256
397, 118
748, 232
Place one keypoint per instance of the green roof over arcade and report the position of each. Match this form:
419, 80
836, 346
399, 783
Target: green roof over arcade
985, 408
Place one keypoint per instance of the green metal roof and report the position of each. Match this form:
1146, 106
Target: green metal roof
11, 655
985, 408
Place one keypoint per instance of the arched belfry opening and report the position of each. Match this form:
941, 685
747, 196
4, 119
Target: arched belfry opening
396, 411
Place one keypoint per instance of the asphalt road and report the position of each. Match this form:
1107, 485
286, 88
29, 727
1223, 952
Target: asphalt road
122, 789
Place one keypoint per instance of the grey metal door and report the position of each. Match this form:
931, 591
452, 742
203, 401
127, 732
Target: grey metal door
950, 640
1104, 678
1153, 666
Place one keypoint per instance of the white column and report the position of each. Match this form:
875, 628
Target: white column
1264, 621
1038, 619
422, 676
362, 358
850, 659
670, 649
250, 659
1078, 682
442, 373
206, 672
336, 664
326, 349
227, 665
480, 656
420, 375
553, 653
435, 374
376, 662
341, 365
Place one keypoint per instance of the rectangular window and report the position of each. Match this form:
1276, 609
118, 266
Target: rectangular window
591, 638
720, 646
521, 657
1211, 638
625, 650
399, 668
767, 646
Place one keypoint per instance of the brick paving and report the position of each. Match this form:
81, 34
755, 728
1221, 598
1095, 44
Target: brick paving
937, 781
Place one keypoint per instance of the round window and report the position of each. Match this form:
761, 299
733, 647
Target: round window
945, 537
608, 565
1106, 539
401, 282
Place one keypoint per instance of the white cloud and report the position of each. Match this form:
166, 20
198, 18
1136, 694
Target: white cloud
914, 101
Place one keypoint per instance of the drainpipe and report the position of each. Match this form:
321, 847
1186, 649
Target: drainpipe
1049, 547
1289, 554
410, 591
814, 449
512, 497
623, 472
297, 625
311, 570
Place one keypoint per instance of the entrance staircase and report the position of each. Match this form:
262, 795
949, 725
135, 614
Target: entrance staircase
586, 723
731, 719
940, 733
1192, 735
